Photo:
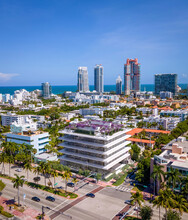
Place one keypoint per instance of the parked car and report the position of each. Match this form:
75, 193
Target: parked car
50, 198
128, 202
36, 199
70, 184
91, 195
59, 187
19, 170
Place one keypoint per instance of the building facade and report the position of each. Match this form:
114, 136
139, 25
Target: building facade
83, 85
95, 145
131, 76
98, 78
37, 139
172, 157
166, 82
119, 86
46, 90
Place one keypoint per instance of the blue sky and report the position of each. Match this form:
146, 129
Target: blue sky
47, 40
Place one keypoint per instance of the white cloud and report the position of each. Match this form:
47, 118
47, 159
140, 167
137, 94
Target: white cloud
7, 76
184, 75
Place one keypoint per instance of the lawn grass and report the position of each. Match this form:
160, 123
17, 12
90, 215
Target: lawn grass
131, 218
120, 180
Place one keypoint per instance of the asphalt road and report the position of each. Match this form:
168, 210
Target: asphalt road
10, 193
106, 204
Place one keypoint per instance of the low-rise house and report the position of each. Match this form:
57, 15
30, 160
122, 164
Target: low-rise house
45, 157
175, 156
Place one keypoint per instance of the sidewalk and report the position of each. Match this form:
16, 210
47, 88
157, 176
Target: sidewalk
28, 214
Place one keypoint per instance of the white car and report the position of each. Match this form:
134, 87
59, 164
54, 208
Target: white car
18, 170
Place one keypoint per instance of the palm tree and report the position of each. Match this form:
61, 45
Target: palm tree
37, 170
74, 180
165, 199
3, 160
54, 174
47, 171
184, 187
17, 182
43, 170
173, 176
28, 167
10, 160
157, 174
181, 204
146, 212
98, 176
137, 198
158, 201
66, 176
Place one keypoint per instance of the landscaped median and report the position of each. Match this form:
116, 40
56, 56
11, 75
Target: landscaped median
59, 192
4, 213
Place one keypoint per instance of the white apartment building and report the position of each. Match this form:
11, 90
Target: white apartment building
91, 111
37, 139
9, 118
96, 145
83, 84
175, 156
182, 114
164, 95
168, 123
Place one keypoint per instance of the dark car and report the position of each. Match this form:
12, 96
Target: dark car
70, 184
50, 198
59, 187
129, 202
36, 199
90, 195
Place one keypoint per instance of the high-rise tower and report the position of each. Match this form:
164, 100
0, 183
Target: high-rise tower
46, 90
131, 76
166, 83
98, 78
119, 86
83, 85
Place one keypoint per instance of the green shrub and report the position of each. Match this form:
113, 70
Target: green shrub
1, 208
7, 214
2, 185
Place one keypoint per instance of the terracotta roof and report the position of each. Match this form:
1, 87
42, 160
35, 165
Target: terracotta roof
138, 130
141, 140
135, 131
157, 131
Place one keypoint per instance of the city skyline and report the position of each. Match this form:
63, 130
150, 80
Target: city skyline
39, 42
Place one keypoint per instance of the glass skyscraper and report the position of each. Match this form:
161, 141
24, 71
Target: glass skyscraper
46, 90
83, 85
166, 83
131, 76
119, 86
98, 78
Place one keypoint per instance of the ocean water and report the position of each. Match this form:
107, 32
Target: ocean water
61, 89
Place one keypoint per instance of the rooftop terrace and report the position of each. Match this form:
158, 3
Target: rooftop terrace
93, 127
